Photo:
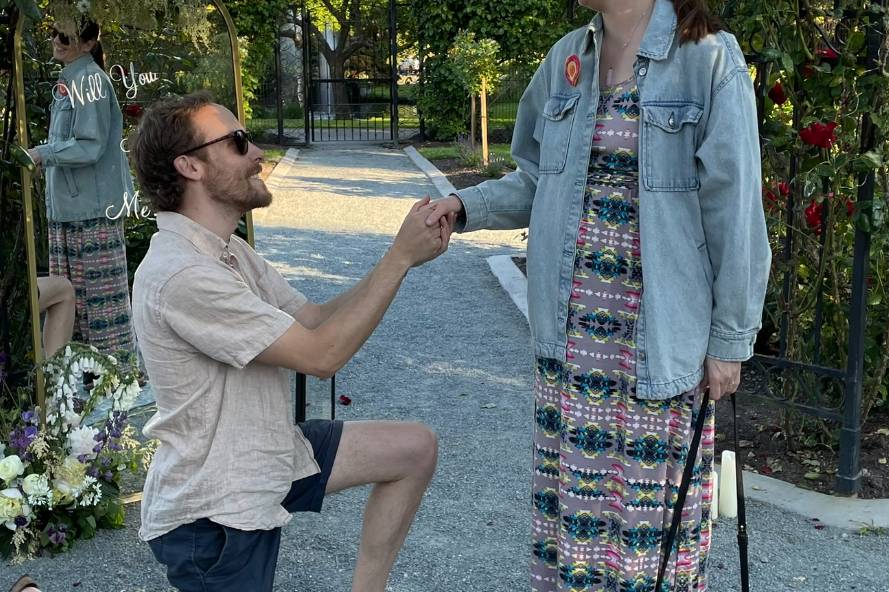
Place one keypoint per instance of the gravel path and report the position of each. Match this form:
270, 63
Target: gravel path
453, 352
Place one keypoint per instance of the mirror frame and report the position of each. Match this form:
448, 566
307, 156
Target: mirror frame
27, 179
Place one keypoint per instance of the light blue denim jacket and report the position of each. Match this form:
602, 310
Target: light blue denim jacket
705, 251
87, 173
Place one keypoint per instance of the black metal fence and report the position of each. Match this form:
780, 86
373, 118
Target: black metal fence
353, 76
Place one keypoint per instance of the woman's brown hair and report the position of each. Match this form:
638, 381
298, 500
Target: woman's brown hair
695, 20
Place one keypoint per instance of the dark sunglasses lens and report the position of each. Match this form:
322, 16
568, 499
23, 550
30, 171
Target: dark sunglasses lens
63, 39
242, 141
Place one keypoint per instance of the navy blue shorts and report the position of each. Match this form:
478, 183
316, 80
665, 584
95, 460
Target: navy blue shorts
207, 557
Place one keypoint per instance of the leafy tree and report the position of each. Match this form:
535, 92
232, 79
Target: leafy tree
523, 29
476, 66
358, 30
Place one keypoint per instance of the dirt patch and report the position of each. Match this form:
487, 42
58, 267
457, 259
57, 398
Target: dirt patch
460, 175
764, 447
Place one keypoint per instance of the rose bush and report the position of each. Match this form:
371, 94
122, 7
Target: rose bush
824, 118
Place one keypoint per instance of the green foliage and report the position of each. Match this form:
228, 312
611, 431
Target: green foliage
475, 61
523, 29
138, 236
257, 24
442, 99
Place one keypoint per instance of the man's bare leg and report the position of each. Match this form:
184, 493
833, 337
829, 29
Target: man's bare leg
399, 459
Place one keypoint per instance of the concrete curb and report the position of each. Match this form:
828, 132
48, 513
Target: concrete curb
445, 188
839, 512
282, 169
512, 280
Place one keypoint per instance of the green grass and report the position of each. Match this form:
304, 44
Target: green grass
260, 125
273, 153
440, 152
453, 151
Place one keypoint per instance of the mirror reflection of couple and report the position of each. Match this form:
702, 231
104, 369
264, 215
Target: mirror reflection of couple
620, 372
86, 295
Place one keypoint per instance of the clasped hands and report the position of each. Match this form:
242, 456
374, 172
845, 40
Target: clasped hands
426, 231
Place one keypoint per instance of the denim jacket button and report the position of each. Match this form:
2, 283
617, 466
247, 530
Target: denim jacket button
643, 71
672, 120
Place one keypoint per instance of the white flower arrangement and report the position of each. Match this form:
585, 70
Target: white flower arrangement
59, 478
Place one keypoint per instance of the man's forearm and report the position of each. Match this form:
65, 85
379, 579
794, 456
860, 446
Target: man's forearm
345, 299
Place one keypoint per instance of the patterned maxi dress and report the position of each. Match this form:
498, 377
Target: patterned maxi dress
607, 465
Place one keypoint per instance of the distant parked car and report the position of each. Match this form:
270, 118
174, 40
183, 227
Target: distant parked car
409, 66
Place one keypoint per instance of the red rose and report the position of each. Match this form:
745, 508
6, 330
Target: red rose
827, 54
133, 110
850, 207
777, 94
771, 201
344, 400
819, 134
784, 188
807, 71
813, 216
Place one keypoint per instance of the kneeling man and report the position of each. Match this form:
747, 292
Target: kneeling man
219, 328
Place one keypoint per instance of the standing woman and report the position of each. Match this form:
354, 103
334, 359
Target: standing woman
87, 176
639, 178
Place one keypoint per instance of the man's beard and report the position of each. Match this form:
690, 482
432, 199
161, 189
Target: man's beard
238, 189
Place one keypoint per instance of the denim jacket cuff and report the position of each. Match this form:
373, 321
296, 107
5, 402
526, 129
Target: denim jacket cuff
47, 157
731, 347
474, 207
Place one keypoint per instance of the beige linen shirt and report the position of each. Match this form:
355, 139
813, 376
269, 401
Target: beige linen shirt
203, 310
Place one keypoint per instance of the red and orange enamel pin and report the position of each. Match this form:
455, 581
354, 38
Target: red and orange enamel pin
572, 69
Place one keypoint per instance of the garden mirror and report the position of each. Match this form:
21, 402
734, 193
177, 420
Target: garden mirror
193, 47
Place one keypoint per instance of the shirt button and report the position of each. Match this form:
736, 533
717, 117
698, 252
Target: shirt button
643, 71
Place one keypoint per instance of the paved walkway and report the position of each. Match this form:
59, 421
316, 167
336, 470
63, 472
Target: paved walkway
454, 352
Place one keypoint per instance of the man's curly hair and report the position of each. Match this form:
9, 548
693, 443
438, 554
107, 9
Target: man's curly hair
166, 131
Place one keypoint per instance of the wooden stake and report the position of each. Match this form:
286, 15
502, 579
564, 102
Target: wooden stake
484, 108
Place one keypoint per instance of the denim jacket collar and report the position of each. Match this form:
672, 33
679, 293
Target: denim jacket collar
658, 36
71, 70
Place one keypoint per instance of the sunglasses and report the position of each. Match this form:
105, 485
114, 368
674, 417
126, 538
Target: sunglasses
63, 39
242, 142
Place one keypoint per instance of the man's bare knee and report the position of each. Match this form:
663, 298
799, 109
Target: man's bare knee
423, 450
68, 293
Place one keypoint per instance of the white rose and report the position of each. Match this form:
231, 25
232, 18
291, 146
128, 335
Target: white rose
81, 441
70, 478
12, 506
10, 468
36, 486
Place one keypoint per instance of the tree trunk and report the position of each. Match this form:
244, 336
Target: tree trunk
341, 103
472, 122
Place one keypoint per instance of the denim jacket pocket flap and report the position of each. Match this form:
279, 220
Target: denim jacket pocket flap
671, 118
558, 106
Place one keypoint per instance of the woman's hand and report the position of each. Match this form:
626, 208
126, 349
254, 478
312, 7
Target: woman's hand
444, 207
722, 378
35, 156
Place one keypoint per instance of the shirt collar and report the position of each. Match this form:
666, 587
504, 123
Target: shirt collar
205, 240
658, 36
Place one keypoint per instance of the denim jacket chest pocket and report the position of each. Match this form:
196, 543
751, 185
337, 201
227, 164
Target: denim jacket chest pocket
62, 120
669, 142
553, 131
